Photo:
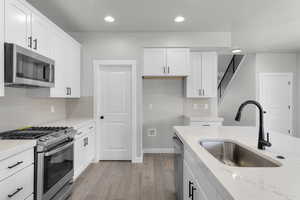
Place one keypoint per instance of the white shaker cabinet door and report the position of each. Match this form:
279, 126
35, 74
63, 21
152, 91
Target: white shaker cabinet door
178, 61
155, 62
17, 23
209, 74
194, 81
59, 53
2, 48
41, 36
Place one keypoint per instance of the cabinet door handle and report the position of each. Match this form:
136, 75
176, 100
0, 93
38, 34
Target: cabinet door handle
30, 42
14, 193
199, 92
35, 44
190, 188
85, 141
91, 127
168, 70
12, 166
203, 92
164, 69
193, 189
206, 124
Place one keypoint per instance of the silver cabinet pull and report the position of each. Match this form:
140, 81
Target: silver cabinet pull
168, 70
14, 193
91, 127
35, 44
14, 165
199, 92
203, 92
30, 42
164, 69
206, 125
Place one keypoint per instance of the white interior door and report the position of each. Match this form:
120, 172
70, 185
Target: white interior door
276, 98
115, 109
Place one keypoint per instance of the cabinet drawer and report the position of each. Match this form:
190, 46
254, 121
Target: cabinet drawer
15, 163
85, 129
18, 186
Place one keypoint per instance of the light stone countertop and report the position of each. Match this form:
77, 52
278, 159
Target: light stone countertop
203, 118
11, 147
280, 183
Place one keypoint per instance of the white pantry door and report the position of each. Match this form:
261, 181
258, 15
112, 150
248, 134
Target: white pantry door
276, 95
115, 112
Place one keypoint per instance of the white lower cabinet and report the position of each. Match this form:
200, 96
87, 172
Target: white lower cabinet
84, 148
191, 188
18, 186
198, 182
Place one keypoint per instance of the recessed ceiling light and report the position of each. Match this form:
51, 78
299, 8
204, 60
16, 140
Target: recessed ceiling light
179, 19
235, 51
109, 19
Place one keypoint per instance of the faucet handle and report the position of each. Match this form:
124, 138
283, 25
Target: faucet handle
268, 137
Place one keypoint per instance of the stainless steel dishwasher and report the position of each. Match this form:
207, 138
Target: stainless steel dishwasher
178, 165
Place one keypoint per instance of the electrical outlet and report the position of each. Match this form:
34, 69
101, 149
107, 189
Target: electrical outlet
52, 108
151, 132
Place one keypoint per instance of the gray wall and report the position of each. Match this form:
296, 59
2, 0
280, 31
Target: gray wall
164, 105
166, 98
18, 110
280, 63
245, 85
123, 45
242, 88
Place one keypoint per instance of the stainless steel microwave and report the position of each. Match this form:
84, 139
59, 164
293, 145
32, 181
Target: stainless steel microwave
26, 68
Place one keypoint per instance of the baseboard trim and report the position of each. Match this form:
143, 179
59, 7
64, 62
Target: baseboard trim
137, 160
158, 150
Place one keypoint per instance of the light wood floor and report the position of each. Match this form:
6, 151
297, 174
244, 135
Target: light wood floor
120, 180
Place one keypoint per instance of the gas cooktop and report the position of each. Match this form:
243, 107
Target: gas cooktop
30, 133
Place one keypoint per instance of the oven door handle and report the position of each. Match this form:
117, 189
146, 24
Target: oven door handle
54, 151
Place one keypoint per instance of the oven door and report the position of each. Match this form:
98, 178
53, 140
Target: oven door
58, 169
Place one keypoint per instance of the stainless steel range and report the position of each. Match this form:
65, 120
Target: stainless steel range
54, 159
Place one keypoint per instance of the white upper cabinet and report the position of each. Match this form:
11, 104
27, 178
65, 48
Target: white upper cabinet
2, 48
17, 23
67, 66
41, 36
154, 62
166, 62
178, 61
26, 27
202, 83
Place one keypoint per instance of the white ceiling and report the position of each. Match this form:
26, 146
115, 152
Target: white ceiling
201, 15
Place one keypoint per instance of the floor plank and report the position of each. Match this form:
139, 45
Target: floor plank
121, 180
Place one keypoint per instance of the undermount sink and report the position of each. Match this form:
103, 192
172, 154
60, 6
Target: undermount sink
233, 154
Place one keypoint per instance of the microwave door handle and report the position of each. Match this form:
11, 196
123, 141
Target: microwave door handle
54, 151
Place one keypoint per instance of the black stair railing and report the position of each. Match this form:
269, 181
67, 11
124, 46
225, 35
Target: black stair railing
231, 69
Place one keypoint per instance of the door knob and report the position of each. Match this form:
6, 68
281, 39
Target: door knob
102, 117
